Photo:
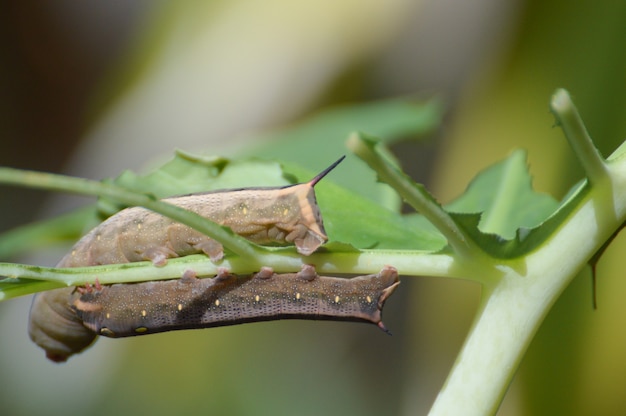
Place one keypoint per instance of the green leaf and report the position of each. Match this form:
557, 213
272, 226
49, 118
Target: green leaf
12, 288
352, 219
499, 212
502, 212
188, 173
37, 235
321, 139
504, 215
504, 196
313, 143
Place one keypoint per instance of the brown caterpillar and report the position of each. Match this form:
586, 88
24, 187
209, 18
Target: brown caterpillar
59, 318
269, 215
123, 310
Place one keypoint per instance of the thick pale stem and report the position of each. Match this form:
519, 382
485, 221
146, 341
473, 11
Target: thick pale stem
515, 305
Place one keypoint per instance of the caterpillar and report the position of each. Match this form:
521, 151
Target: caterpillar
66, 321
123, 310
267, 215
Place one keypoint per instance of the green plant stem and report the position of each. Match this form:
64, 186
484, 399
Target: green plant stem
416, 196
354, 262
54, 182
514, 306
569, 119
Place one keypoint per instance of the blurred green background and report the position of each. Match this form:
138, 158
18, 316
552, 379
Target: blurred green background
91, 88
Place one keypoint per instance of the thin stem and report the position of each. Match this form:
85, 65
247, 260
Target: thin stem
415, 195
56, 182
408, 263
577, 136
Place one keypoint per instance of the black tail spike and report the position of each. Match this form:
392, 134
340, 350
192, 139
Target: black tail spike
325, 172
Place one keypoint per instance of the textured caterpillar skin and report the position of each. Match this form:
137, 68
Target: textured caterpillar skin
283, 215
123, 310
280, 215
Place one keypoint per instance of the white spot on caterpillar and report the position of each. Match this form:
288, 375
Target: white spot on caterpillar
298, 296
337, 299
107, 332
180, 307
143, 313
257, 298
368, 299
108, 315
217, 302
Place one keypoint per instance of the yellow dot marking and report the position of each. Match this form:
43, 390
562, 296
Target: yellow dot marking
298, 296
108, 315
141, 329
180, 306
73, 252
217, 302
106, 331
257, 298
139, 226
336, 299
244, 210
285, 212
143, 312
368, 299
98, 237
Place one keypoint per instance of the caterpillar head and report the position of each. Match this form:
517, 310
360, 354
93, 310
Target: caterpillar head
54, 326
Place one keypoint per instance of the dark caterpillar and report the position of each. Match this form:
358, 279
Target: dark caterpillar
123, 310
